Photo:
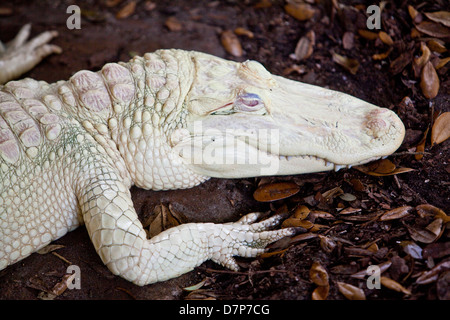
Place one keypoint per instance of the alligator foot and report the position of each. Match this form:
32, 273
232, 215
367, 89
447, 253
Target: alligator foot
245, 238
20, 56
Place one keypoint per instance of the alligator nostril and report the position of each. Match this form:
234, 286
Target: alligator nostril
376, 126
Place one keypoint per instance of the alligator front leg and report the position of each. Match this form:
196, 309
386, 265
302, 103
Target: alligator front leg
19, 56
122, 244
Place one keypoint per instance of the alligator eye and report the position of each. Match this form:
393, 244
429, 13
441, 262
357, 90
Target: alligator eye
248, 102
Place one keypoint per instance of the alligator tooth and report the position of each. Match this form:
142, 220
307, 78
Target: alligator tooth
328, 163
338, 167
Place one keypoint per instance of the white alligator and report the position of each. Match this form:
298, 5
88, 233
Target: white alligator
71, 150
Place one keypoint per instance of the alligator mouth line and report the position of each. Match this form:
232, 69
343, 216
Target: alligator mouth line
328, 164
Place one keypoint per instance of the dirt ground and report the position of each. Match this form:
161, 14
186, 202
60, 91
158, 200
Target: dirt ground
344, 242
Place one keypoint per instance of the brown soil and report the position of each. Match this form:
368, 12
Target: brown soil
104, 38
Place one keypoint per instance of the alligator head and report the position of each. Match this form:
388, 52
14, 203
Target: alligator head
242, 121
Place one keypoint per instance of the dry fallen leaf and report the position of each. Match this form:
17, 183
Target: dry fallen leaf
127, 10
424, 210
351, 292
437, 45
440, 17
385, 38
429, 81
348, 40
397, 65
357, 185
162, 219
49, 248
231, 43
442, 62
394, 285
441, 129
305, 46
347, 197
433, 274
414, 14
427, 235
173, 24
327, 244
412, 248
419, 62
433, 29
196, 286
295, 222
435, 227
382, 56
421, 146
275, 191
349, 64
369, 35
363, 273
380, 168
300, 11
112, 3
396, 213
320, 293
318, 274
244, 32
301, 212
332, 193
263, 4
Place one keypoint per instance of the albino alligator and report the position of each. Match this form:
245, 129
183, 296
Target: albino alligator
71, 150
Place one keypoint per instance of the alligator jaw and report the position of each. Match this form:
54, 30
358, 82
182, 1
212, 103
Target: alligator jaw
245, 122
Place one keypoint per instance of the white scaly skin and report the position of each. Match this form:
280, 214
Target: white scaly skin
70, 151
